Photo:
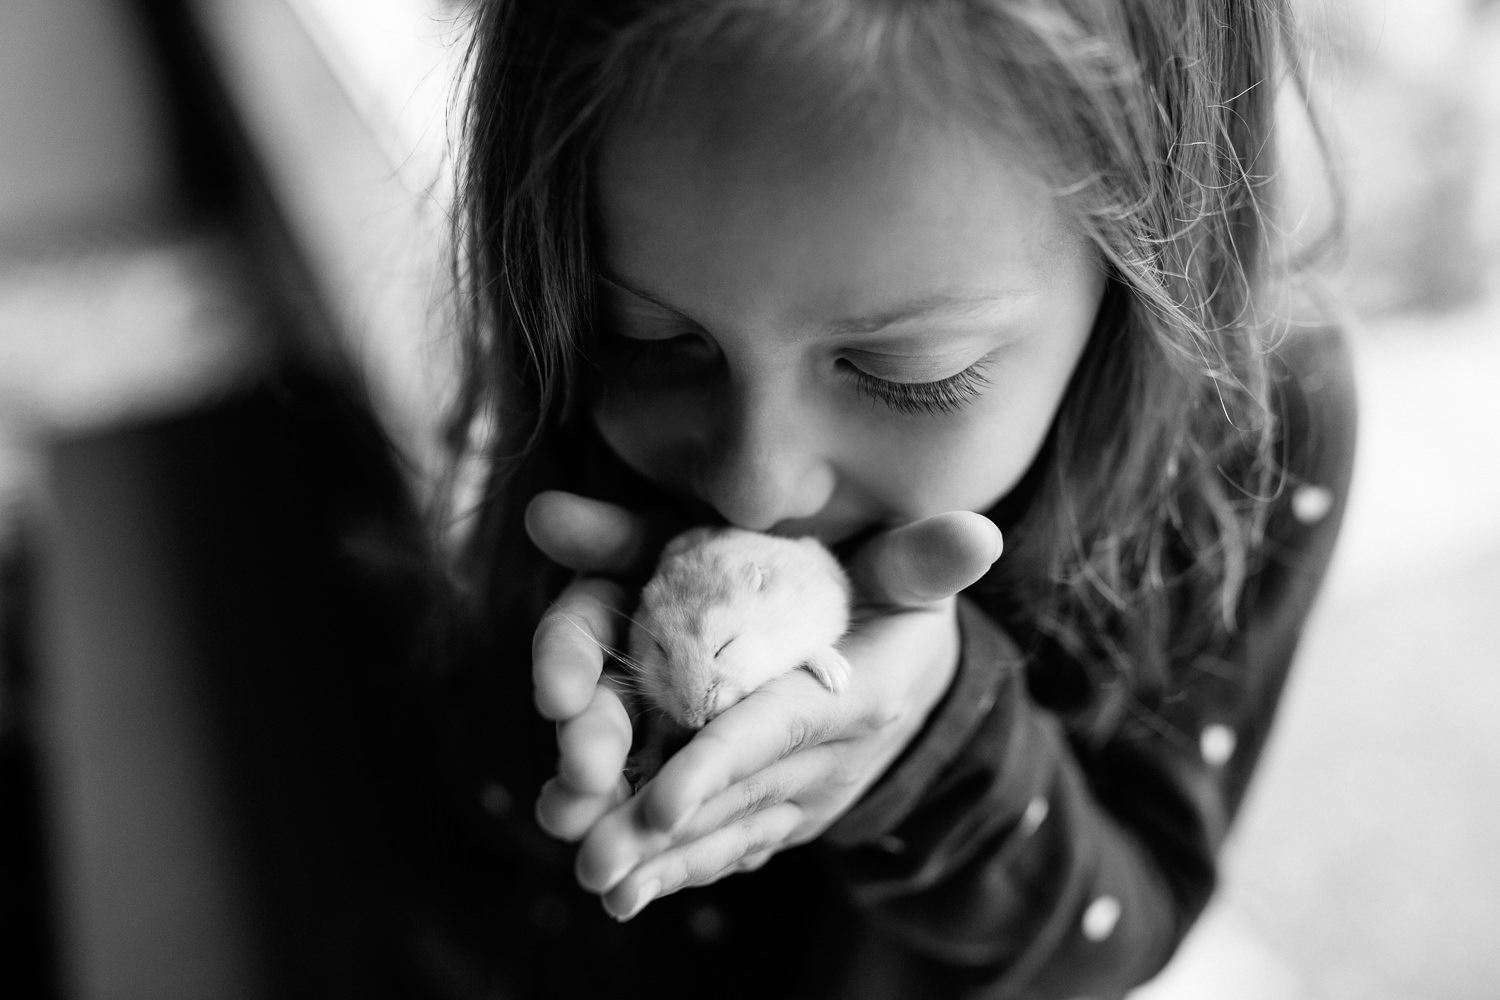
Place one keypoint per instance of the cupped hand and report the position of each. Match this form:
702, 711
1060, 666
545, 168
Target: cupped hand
571, 649
778, 768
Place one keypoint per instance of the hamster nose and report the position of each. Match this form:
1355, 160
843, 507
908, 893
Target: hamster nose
766, 471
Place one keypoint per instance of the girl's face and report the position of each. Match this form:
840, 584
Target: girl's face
816, 329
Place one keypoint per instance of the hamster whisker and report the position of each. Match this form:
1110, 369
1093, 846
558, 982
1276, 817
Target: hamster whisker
626, 679
632, 665
598, 643
624, 676
649, 631
618, 613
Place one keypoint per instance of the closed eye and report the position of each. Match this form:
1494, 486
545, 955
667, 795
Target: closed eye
655, 353
725, 646
947, 395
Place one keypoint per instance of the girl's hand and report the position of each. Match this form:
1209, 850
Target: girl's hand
569, 652
777, 769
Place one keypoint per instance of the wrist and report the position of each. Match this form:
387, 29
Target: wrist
986, 666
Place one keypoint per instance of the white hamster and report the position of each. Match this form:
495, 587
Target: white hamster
728, 610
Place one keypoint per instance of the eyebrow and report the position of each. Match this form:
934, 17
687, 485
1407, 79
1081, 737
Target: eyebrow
925, 307
920, 307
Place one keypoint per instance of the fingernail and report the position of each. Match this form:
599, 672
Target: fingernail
617, 876
647, 894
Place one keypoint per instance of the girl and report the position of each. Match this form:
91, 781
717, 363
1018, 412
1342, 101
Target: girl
901, 275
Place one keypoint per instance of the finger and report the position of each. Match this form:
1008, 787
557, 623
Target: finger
591, 536
622, 841
926, 561
569, 815
784, 781
754, 862
702, 861
614, 845
786, 714
568, 649
592, 745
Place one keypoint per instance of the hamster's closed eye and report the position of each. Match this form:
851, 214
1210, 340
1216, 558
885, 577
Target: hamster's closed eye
728, 610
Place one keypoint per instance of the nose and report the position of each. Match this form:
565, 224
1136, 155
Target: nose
767, 461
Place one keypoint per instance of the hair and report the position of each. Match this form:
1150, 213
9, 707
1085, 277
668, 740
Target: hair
1152, 122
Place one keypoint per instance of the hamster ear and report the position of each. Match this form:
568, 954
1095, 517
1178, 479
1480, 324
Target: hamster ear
689, 539
754, 576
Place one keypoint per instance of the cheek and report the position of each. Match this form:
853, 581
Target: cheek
968, 470
656, 433
748, 657
972, 460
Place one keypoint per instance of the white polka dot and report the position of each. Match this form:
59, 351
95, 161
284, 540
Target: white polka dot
1100, 918
1310, 504
1035, 815
1216, 744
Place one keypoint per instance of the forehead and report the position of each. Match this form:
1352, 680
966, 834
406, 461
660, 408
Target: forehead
734, 176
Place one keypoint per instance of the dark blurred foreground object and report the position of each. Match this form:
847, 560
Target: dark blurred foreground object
227, 608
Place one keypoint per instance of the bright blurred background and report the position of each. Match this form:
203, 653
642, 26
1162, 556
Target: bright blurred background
1367, 863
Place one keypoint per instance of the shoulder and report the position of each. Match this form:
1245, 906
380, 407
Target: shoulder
1316, 406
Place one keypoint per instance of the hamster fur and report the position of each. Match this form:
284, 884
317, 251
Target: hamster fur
728, 610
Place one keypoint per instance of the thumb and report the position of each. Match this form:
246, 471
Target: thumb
926, 561
592, 536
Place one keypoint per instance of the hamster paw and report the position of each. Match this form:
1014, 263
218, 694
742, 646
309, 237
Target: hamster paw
830, 668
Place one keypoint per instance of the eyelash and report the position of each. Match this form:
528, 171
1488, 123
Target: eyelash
642, 351
946, 395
